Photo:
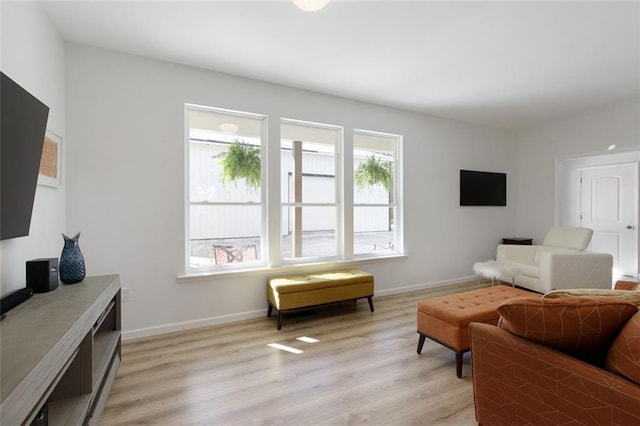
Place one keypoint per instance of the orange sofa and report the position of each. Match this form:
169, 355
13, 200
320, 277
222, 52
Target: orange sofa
560, 359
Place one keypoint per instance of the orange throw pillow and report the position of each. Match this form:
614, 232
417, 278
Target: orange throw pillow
624, 355
580, 326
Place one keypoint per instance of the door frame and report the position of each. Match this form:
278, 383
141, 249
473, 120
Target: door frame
567, 196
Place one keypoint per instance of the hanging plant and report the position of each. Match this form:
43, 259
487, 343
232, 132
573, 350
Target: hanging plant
241, 161
374, 171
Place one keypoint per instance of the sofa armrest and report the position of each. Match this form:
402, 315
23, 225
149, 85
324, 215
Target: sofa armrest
580, 270
515, 253
516, 381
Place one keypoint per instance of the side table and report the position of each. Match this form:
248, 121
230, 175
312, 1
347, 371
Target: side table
518, 241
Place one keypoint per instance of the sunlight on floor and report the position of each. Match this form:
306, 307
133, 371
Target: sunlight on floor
285, 348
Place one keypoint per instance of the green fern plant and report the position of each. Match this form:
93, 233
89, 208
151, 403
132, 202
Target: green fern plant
241, 161
374, 171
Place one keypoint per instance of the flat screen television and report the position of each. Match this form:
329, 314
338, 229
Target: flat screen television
23, 123
483, 188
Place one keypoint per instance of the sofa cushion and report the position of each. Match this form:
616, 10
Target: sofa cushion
623, 357
529, 269
629, 296
580, 326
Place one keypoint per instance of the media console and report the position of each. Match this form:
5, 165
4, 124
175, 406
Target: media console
59, 354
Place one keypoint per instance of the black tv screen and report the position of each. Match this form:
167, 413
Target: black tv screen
483, 188
23, 123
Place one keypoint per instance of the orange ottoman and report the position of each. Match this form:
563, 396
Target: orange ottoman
446, 319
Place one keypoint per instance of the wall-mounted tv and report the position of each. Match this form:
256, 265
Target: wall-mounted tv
23, 122
483, 188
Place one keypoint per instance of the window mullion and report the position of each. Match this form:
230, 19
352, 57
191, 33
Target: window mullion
273, 198
346, 191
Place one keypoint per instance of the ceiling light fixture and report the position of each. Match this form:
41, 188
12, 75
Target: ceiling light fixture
611, 147
229, 127
310, 5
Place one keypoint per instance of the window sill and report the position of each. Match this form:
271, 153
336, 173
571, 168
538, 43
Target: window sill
285, 269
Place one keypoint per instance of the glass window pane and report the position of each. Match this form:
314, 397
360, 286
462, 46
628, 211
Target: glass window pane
308, 176
373, 230
374, 168
308, 152
222, 234
225, 156
225, 188
206, 182
316, 189
315, 235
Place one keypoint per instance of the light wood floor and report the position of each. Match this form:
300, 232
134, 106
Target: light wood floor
364, 369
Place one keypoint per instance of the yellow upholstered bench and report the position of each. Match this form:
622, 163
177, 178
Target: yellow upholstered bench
317, 288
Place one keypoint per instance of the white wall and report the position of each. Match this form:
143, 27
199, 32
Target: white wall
125, 158
539, 148
33, 55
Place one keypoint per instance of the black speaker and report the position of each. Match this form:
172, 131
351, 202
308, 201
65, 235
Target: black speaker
42, 275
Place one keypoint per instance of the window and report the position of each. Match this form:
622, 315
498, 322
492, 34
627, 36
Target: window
375, 193
309, 187
225, 191
319, 217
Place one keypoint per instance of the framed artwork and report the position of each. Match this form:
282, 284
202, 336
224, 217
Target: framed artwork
50, 163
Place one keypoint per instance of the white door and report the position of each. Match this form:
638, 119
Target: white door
608, 205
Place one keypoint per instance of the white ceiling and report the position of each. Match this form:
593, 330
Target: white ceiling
503, 64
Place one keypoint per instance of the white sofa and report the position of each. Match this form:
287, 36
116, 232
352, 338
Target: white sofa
559, 263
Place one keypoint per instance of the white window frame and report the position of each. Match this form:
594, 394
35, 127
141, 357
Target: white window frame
397, 204
272, 206
337, 204
264, 253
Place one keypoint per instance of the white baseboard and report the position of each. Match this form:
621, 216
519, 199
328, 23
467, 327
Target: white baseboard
189, 325
224, 319
426, 286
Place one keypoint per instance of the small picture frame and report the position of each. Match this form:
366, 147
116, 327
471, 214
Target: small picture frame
50, 162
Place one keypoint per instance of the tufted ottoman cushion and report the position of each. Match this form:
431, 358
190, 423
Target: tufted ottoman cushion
446, 319
318, 288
